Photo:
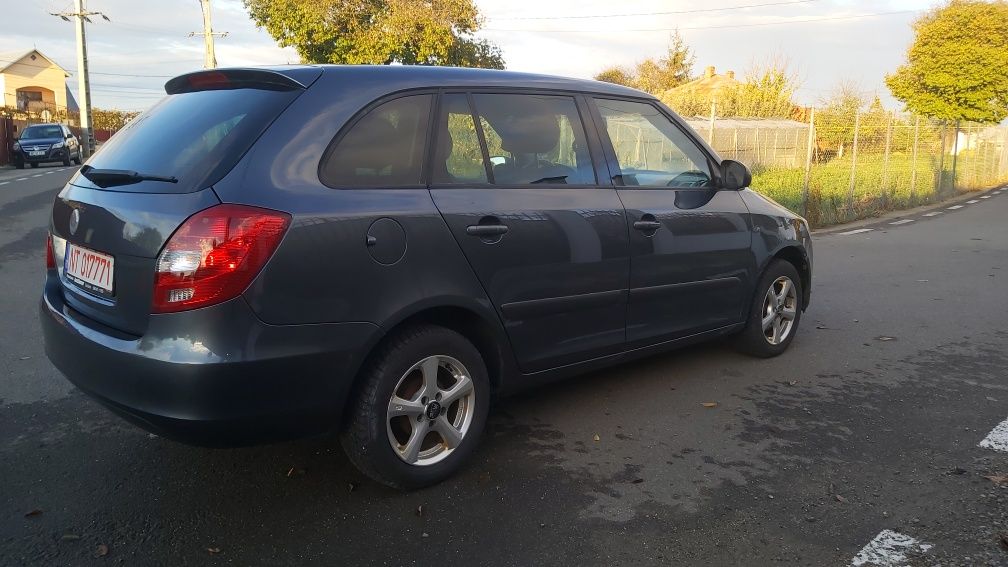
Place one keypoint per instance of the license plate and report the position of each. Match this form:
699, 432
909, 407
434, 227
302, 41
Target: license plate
90, 270
38, 153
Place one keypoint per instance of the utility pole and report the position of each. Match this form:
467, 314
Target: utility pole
83, 81
209, 58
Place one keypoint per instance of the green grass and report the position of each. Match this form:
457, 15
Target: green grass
877, 188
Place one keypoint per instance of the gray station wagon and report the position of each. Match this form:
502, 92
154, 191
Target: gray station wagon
380, 251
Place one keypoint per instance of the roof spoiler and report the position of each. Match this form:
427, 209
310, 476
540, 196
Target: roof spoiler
227, 79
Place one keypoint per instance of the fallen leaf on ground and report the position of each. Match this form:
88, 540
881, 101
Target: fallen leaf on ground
885, 338
998, 478
839, 498
213, 550
102, 550
70, 537
596, 437
33, 513
709, 404
419, 510
638, 480
352, 486
792, 382
1003, 536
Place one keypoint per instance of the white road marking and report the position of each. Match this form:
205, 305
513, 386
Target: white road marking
4, 182
933, 214
856, 231
21, 179
998, 438
971, 201
888, 548
38, 175
904, 221
985, 196
954, 207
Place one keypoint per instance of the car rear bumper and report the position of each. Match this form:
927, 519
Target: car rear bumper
216, 376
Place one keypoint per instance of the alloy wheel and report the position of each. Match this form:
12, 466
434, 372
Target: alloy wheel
431, 410
780, 307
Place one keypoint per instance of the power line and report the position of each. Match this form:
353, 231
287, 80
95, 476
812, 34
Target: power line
668, 13
751, 25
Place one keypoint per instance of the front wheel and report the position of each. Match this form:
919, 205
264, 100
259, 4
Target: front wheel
66, 160
775, 312
77, 160
420, 409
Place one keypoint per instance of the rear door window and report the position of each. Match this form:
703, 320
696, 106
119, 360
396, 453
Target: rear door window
385, 148
535, 139
460, 157
196, 137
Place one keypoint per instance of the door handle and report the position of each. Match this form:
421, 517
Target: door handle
485, 230
646, 226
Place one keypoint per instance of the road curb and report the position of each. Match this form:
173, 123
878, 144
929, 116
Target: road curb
894, 215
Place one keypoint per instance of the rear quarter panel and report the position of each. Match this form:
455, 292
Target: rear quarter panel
323, 271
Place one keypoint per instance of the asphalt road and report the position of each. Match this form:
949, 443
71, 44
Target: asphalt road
868, 429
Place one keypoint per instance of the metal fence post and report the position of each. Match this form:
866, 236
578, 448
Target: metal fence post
853, 163
885, 159
710, 129
808, 161
735, 143
941, 162
913, 160
976, 155
955, 155
797, 144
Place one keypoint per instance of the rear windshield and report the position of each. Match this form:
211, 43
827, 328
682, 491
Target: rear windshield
196, 137
33, 132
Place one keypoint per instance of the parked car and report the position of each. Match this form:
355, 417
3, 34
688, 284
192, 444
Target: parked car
382, 250
41, 143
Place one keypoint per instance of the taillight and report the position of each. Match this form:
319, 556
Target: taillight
215, 255
50, 257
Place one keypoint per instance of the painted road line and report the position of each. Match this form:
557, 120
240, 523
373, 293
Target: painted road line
932, 214
998, 438
38, 175
856, 231
4, 182
904, 221
972, 201
985, 196
22, 179
888, 548
955, 207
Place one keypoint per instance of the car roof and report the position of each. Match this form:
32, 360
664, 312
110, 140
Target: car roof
400, 77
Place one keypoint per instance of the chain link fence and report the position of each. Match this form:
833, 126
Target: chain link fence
835, 166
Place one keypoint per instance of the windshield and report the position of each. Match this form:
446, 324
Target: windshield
196, 137
35, 132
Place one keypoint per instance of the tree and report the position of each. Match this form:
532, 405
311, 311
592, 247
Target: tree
617, 75
765, 93
956, 68
412, 32
656, 75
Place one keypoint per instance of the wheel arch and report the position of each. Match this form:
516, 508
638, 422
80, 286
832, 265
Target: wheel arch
471, 321
797, 258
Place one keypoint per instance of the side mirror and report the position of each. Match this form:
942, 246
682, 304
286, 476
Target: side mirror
735, 175
69, 136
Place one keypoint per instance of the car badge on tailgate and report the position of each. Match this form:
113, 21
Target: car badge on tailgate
74, 221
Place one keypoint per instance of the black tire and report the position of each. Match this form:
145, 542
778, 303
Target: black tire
66, 160
754, 340
365, 435
77, 160
19, 165
34, 165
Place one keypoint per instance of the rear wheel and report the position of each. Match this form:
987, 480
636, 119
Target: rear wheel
420, 410
775, 312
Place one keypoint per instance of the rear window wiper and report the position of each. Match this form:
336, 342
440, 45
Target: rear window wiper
116, 177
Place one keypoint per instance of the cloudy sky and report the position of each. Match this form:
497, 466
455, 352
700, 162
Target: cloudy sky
823, 41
